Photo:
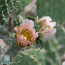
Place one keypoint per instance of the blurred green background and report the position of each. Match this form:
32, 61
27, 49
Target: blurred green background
53, 8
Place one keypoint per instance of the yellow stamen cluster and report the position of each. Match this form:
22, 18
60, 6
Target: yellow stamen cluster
26, 34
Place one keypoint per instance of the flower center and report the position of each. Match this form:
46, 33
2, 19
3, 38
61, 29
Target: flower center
26, 34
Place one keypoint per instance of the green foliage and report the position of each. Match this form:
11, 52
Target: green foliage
6, 7
49, 54
39, 54
53, 8
10, 6
2, 10
52, 55
60, 35
24, 59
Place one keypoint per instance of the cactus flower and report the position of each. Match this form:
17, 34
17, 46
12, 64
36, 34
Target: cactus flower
47, 29
26, 34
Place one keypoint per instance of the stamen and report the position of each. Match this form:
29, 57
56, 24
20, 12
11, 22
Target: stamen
26, 34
